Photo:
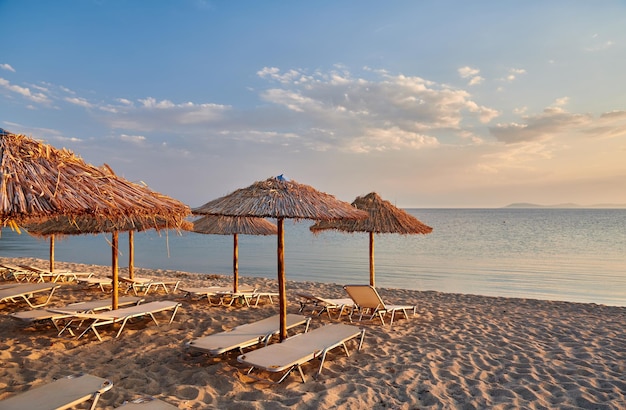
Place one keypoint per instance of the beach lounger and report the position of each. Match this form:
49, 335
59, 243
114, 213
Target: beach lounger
122, 316
295, 351
368, 301
145, 284
245, 335
147, 403
56, 276
18, 273
244, 296
56, 315
28, 292
94, 281
221, 295
60, 394
324, 304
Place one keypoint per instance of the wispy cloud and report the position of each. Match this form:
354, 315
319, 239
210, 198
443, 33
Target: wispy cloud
25, 92
7, 67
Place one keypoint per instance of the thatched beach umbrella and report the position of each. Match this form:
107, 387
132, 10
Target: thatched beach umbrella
384, 217
41, 182
228, 225
280, 198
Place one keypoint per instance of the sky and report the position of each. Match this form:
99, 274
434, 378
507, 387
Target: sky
428, 103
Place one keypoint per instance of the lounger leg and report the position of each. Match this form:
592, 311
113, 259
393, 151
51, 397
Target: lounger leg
41, 304
94, 400
174, 313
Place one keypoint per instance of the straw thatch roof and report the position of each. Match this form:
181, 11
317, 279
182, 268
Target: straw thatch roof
40, 182
229, 225
384, 217
277, 197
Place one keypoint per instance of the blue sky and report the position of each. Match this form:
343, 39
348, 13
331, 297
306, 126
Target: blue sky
428, 103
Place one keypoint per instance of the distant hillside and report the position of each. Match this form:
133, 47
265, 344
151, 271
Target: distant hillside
567, 205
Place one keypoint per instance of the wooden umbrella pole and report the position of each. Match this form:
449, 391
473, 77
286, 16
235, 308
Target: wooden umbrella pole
51, 253
235, 263
372, 259
282, 294
115, 273
131, 255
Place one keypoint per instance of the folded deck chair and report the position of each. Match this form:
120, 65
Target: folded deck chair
60, 394
368, 301
150, 403
122, 316
28, 292
324, 304
56, 315
145, 284
245, 335
293, 352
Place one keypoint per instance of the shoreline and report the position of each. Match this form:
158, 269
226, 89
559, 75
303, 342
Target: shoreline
459, 351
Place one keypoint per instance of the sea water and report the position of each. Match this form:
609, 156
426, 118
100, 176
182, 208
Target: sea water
576, 255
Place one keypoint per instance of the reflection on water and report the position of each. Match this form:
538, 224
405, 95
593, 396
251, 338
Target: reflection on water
561, 254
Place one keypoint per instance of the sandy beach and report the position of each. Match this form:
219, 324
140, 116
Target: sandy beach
458, 352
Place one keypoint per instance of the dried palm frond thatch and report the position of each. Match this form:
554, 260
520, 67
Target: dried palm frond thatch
280, 198
40, 181
384, 217
233, 225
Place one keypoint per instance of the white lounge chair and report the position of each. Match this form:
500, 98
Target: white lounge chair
293, 352
56, 276
56, 315
149, 403
18, 273
245, 335
94, 281
324, 304
60, 394
369, 302
221, 295
146, 284
122, 316
28, 292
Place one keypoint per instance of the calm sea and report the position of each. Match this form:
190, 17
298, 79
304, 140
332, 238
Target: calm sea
558, 254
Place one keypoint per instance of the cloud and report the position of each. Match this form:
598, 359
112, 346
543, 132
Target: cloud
513, 74
383, 112
24, 92
7, 67
137, 139
466, 72
472, 74
81, 102
551, 122
596, 44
